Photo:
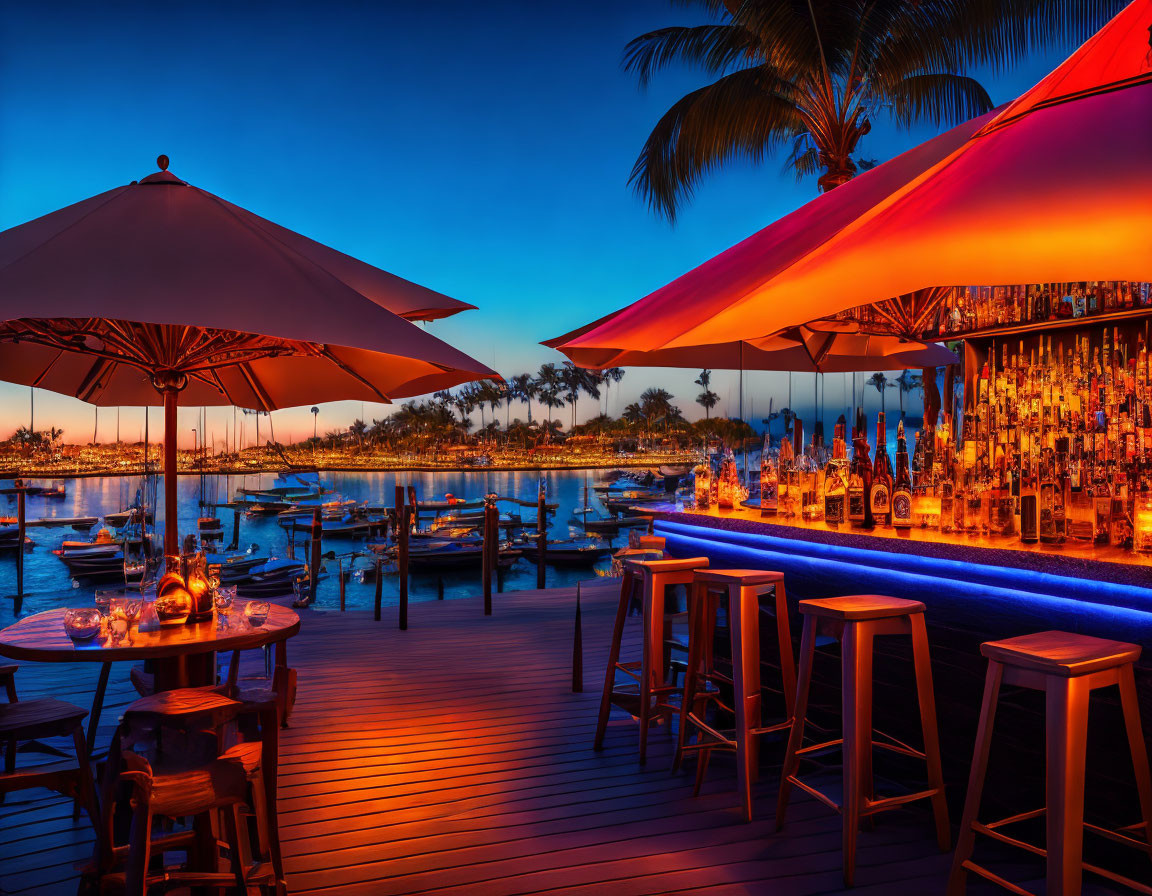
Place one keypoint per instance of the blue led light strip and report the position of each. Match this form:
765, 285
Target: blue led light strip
887, 572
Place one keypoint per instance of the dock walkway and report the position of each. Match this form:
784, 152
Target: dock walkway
454, 759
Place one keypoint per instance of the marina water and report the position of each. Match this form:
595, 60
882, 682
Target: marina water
47, 583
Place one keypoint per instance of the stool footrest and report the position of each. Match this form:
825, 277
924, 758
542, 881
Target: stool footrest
812, 791
871, 807
969, 865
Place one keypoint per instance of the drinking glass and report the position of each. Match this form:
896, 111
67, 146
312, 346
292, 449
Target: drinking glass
82, 623
256, 612
104, 600
224, 598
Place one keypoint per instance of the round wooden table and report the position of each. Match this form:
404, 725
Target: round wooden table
181, 655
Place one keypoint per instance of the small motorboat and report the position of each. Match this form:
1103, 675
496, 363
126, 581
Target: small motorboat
619, 502
567, 552
273, 578
129, 515
54, 492
10, 535
447, 555
210, 529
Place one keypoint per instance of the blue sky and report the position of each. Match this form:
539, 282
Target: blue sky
482, 149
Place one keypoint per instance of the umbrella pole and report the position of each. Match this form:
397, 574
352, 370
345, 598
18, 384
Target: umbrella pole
171, 533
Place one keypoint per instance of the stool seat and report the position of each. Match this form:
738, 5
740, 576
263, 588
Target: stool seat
858, 607
182, 702
664, 566
1061, 653
739, 576
36, 719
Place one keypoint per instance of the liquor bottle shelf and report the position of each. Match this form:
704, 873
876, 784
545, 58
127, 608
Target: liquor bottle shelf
1044, 326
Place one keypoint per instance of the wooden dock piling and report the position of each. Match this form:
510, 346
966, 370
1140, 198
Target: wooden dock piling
402, 563
541, 538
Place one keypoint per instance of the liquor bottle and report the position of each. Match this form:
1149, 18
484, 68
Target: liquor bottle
881, 494
1047, 523
1029, 506
788, 498
860, 478
835, 478
768, 480
902, 484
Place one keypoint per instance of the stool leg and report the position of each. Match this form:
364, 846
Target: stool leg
695, 603
800, 709
1067, 723
1137, 747
652, 645
927, 699
965, 843
613, 659
784, 643
856, 702
744, 632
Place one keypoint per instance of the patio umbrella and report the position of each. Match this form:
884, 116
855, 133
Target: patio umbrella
819, 346
158, 289
656, 320
1055, 187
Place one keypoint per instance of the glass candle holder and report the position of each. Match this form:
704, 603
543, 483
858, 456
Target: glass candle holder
82, 623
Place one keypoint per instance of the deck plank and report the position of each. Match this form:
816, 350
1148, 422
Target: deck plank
454, 759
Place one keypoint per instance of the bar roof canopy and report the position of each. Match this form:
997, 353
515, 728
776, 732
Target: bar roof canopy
1056, 186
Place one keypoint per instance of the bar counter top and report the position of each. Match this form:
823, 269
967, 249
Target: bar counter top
1075, 560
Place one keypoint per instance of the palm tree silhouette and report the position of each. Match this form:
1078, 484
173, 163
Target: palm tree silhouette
808, 78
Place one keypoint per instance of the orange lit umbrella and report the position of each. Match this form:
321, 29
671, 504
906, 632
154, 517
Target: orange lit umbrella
159, 288
673, 310
1055, 187
819, 346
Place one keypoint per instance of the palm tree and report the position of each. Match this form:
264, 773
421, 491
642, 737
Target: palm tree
880, 382
608, 376
357, 431
523, 387
907, 382
549, 387
315, 419
656, 404
706, 399
575, 380
809, 78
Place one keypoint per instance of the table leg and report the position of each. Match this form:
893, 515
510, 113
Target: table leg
97, 705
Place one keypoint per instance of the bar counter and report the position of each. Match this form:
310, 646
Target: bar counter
975, 590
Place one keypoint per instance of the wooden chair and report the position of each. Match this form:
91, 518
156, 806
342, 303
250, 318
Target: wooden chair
32, 720
741, 590
171, 755
1067, 668
855, 622
645, 696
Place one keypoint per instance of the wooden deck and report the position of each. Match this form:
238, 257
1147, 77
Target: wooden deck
454, 759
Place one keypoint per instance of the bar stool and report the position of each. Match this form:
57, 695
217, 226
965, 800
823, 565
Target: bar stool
644, 695
172, 751
743, 589
1067, 668
855, 621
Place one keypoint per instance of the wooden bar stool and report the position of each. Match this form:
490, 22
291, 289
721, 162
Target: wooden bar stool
855, 621
172, 751
742, 588
1067, 668
644, 696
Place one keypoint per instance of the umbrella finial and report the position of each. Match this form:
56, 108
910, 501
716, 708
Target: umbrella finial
162, 161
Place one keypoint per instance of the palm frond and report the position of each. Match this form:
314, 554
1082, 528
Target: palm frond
747, 113
940, 97
715, 48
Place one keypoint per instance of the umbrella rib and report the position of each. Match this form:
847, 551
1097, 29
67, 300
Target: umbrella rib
47, 369
324, 352
258, 390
